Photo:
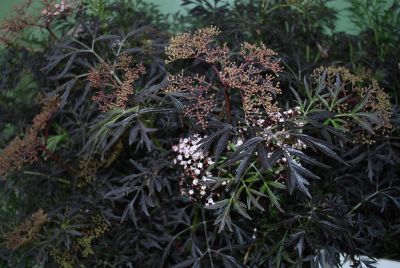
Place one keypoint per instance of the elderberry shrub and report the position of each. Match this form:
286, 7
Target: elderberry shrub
206, 148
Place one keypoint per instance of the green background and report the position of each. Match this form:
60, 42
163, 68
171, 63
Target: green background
171, 6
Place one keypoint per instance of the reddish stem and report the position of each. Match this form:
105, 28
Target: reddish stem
227, 104
65, 166
226, 94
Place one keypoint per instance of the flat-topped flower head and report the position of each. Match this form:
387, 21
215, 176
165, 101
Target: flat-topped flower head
191, 45
194, 163
356, 90
114, 92
252, 71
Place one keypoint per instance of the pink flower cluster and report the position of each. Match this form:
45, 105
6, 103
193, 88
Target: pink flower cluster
279, 117
195, 164
53, 9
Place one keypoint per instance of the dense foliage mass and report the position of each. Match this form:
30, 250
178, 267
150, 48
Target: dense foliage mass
244, 134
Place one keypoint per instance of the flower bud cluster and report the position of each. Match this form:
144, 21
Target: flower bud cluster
246, 74
21, 151
355, 90
114, 92
199, 102
27, 231
191, 45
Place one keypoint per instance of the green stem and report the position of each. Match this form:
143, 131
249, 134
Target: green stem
365, 200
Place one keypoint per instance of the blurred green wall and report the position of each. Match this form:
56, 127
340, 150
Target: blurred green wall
171, 6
